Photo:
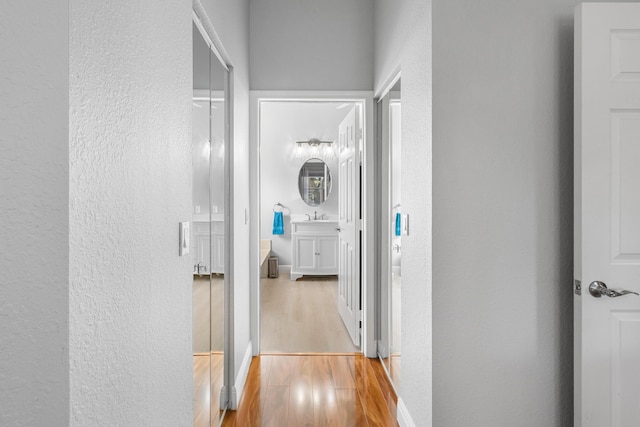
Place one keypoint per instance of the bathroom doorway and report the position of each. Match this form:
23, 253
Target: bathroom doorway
306, 178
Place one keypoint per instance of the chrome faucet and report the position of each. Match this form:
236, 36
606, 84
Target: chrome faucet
315, 215
308, 217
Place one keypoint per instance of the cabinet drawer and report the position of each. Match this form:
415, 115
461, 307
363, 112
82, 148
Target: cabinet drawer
217, 227
200, 227
315, 228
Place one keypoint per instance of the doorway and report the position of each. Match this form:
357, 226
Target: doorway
298, 196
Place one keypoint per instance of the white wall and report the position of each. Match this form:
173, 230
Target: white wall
34, 207
311, 45
403, 41
281, 125
231, 21
130, 185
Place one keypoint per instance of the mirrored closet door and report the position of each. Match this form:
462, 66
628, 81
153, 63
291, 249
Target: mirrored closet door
209, 229
389, 344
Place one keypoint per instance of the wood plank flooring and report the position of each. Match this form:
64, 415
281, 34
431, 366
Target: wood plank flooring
207, 382
392, 363
302, 316
314, 391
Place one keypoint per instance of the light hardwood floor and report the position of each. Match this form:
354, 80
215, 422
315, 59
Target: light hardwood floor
393, 362
207, 381
208, 360
314, 391
302, 317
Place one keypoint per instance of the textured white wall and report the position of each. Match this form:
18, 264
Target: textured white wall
130, 185
231, 21
311, 45
281, 124
34, 212
403, 34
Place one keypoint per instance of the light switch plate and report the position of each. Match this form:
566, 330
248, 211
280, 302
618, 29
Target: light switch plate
404, 224
184, 238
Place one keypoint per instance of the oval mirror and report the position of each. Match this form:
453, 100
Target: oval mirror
314, 182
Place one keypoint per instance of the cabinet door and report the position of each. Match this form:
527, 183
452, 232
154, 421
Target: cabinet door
203, 251
305, 258
327, 255
200, 247
218, 254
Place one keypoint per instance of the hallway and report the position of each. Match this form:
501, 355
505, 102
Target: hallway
315, 390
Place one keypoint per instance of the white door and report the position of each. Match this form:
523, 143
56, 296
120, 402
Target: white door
607, 214
348, 215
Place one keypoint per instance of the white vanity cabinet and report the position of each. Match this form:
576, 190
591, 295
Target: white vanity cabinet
314, 248
204, 261
218, 247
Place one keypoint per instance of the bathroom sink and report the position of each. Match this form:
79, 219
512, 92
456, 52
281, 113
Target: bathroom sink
304, 220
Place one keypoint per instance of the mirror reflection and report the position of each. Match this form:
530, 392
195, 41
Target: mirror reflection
396, 248
207, 239
389, 349
314, 182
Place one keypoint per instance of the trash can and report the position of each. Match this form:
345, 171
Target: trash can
273, 267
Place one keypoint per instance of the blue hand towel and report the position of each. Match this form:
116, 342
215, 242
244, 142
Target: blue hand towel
278, 223
398, 220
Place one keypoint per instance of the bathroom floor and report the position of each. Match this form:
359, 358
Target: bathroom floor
302, 317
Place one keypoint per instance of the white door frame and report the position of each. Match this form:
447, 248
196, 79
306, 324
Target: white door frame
368, 346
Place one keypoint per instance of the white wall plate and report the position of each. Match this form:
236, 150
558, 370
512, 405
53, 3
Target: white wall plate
184, 238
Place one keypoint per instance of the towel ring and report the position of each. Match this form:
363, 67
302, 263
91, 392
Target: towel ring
396, 207
281, 207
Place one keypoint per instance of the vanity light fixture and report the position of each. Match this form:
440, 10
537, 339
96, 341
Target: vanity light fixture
314, 148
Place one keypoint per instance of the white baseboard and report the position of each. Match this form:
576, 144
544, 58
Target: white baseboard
241, 379
285, 268
404, 418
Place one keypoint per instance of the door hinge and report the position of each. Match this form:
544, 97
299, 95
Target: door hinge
577, 287
360, 224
